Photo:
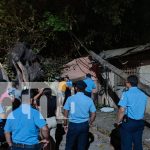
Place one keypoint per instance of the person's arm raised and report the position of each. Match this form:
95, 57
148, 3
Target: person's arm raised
39, 94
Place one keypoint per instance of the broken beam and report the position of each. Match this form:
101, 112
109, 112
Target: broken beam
119, 72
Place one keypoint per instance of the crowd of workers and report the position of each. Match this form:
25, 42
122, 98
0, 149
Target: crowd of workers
26, 127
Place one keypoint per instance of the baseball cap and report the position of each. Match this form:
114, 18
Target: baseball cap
81, 84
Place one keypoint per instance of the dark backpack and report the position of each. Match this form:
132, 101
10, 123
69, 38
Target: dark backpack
2, 135
115, 139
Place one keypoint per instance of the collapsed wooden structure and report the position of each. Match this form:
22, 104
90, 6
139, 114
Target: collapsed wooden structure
128, 57
104, 56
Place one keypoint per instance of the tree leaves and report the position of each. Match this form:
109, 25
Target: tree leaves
54, 22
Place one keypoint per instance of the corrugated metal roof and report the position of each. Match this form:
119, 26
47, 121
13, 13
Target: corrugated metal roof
124, 51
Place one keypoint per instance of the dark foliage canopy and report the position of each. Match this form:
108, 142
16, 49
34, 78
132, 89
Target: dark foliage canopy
100, 24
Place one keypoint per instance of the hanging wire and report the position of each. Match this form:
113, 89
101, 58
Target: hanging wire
80, 67
79, 52
89, 54
85, 65
80, 42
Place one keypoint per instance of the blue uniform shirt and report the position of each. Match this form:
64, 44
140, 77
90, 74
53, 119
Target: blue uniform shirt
79, 106
24, 124
69, 83
134, 101
90, 85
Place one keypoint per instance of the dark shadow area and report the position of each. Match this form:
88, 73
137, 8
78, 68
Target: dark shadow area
90, 140
3, 144
50, 146
59, 135
115, 139
147, 124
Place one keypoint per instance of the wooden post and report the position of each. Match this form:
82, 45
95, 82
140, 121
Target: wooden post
22, 74
119, 72
18, 72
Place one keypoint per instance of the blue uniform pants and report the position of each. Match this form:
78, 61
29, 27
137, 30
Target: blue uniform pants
38, 147
16, 148
77, 136
89, 94
131, 134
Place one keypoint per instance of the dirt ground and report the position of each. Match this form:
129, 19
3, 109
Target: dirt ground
102, 129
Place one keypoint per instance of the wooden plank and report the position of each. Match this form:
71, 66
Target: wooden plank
105, 63
20, 78
24, 72
119, 72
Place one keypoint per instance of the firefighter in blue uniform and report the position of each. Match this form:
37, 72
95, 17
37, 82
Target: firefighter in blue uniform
132, 105
23, 124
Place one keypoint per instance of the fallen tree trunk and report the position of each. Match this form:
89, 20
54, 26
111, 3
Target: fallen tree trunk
22, 74
3, 73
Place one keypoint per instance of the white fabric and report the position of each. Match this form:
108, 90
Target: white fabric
54, 87
52, 124
107, 109
60, 101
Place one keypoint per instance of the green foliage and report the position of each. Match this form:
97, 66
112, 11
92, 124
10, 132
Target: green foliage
54, 22
100, 24
53, 67
22, 21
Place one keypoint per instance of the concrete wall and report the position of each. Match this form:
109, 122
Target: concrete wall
105, 98
144, 76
